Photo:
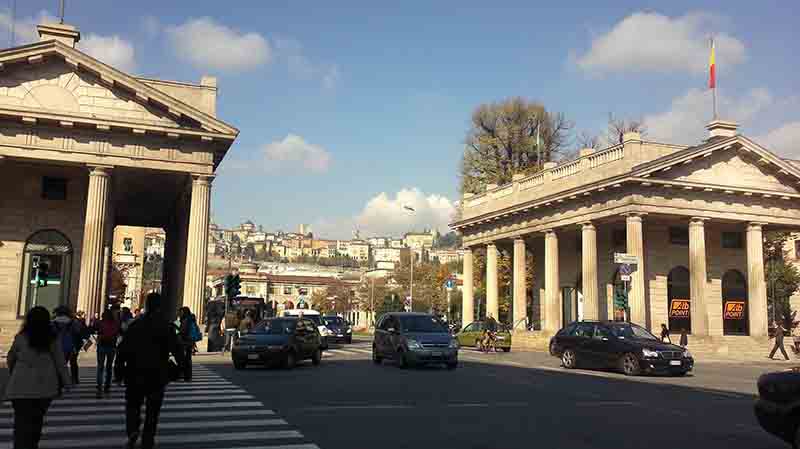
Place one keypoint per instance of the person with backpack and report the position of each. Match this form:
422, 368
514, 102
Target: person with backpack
107, 335
145, 354
37, 375
187, 331
69, 336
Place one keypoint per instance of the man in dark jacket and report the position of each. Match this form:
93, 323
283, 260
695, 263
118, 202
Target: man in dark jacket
779, 330
145, 352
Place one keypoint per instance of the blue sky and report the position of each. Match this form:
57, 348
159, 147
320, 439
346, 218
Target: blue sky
348, 110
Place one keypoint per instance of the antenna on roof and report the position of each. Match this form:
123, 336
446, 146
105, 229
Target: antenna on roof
61, 9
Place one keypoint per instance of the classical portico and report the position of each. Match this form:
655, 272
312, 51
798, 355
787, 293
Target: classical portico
692, 216
85, 147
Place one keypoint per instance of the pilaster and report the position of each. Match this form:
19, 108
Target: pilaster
635, 246
552, 317
467, 293
492, 305
197, 244
756, 284
520, 286
591, 302
90, 285
698, 276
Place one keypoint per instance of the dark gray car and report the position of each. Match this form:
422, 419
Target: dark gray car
414, 339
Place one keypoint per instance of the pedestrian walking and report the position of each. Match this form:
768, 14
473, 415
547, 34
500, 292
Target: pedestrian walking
69, 334
684, 342
186, 333
779, 331
229, 326
107, 336
37, 375
145, 351
665, 334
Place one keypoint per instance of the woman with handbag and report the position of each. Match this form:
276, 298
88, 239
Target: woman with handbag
38, 374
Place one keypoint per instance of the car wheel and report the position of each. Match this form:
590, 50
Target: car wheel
681, 373
401, 359
349, 340
239, 364
291, 360
629, 365
568, 359
452, 365
508, 349
376, 359
316, 357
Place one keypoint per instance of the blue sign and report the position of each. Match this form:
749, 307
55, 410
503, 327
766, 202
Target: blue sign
450, 284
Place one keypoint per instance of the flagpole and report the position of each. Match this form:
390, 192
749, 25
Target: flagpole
713, 75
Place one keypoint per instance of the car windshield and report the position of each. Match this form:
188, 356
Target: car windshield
275, 327
422, 323
631, 331
333, 321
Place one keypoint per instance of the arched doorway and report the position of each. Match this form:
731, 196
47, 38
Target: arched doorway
46, 271
734, 303
679, 300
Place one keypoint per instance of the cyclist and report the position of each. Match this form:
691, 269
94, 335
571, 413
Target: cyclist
489, 333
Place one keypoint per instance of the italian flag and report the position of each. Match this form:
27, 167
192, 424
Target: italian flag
712, 69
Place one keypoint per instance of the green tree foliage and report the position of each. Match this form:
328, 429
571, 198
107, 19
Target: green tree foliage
429, 279
782, 279
501, 142
505, 278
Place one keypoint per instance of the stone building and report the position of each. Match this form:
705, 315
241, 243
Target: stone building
85, 147
693, 217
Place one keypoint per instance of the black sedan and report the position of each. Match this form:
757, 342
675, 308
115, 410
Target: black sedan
278, 341
623, 346
341, 331
778, 405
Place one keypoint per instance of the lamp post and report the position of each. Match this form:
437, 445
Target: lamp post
413, 255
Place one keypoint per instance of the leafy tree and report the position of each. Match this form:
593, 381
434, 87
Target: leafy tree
502, 141
429, 279
505, 270
782, 279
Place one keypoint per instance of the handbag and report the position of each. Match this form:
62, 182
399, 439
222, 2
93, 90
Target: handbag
88, 344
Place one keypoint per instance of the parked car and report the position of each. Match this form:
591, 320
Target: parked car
778, 405
627, 347
414, 339
340, 330
472, 333
284, 341
314, 316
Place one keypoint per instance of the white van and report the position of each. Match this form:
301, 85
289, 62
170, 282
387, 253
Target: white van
314, 316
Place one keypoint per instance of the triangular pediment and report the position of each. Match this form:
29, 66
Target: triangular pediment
56, 87
74, 81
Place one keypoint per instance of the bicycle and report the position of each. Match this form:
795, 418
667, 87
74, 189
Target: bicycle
487, 343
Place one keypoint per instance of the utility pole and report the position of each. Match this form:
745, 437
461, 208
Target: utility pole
372, 303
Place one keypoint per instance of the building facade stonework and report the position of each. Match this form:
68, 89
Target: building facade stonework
694, 218
85, 147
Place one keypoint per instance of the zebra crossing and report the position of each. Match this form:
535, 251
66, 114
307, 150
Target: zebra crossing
354, 350
209, 412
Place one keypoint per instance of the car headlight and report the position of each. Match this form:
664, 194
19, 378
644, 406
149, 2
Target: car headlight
413, 345
454, 344
649, 353
349, 331
687, 354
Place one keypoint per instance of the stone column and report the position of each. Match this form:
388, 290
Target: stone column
698, 276
591, 302
467, 297
756, 284
492, 306
552, 287
197, 244
90, 285
635, 246
520, 286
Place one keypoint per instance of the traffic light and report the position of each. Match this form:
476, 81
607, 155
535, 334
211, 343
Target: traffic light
233, 286
621, 298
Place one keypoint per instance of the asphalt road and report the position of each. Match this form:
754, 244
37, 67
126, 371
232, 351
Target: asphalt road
516, 400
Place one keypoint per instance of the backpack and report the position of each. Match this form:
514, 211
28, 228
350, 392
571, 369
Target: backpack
65, 336
194, 331
107, 334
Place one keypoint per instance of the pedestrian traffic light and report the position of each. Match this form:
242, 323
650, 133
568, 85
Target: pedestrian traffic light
621, 298
41, 274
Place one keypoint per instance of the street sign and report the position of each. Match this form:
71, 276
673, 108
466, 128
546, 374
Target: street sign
625, 258
625, 269
625, 277
450, 284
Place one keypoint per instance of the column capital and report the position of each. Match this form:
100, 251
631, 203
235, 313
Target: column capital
587, 225
549, 232
755, 225
100, 170
492, 244
519, 239
634, 216
698, 221
199, 178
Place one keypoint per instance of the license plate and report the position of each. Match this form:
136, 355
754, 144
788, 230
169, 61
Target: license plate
252, 356
675, 362
436, 353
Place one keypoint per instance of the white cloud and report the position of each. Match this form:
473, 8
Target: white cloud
685, 121
385, 214
112, 50
208, 44
784, 140
302, 67
294, 149
25, 28
654, 42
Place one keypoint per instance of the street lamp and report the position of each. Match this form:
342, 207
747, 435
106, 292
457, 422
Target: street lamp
413, 255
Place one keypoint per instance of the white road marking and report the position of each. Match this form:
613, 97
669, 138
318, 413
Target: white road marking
70, 428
